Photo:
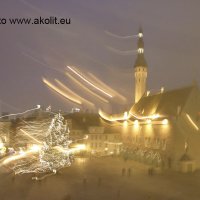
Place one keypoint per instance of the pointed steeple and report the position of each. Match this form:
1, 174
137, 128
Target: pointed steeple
140, 60
140, 69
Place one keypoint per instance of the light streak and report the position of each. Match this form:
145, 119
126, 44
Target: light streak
40, 62
154, 116
120, 37
21, 113
112, 91
59, 91
72, 150
127, 116
67, 89
19, 155
117, 143
192, 122
85, 88
44, 12
73, 93
39, 142
88, 82
122, 53
114, 118
46, 156
80, 147
10, 106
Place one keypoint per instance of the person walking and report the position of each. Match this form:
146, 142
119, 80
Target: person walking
123, 171
129, 172
99, 181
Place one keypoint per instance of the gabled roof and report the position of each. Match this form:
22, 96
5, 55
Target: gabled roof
165, 103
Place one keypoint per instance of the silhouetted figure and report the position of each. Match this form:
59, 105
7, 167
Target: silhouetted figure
84, 182
118, 194
68, 197
129, 172
123, 171
169, 163
150, 171
99, 181
13, 177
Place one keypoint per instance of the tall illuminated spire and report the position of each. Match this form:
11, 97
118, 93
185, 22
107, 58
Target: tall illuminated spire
140, 69
140, 61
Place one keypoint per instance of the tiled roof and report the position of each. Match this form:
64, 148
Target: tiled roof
163, 103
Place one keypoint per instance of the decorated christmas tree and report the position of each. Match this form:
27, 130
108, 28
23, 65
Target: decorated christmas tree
55, 153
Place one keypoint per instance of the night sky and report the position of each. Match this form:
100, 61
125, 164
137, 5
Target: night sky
30, 52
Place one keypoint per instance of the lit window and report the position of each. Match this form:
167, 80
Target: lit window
140, 50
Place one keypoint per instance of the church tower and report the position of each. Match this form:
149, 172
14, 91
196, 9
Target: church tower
140, 69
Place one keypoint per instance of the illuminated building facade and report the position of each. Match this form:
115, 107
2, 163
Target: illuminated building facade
100, 140
102, 143
165, 126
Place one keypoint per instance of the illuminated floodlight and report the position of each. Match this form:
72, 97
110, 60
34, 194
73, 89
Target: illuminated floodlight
165, 121
22, 152
35, 148
155, 116
1, 145
136, 122
140, 35
86, 137
162, 89
126, 115
80, 147
148, 121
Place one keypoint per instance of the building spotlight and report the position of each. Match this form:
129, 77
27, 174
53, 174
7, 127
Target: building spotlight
165, 121
148, 121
